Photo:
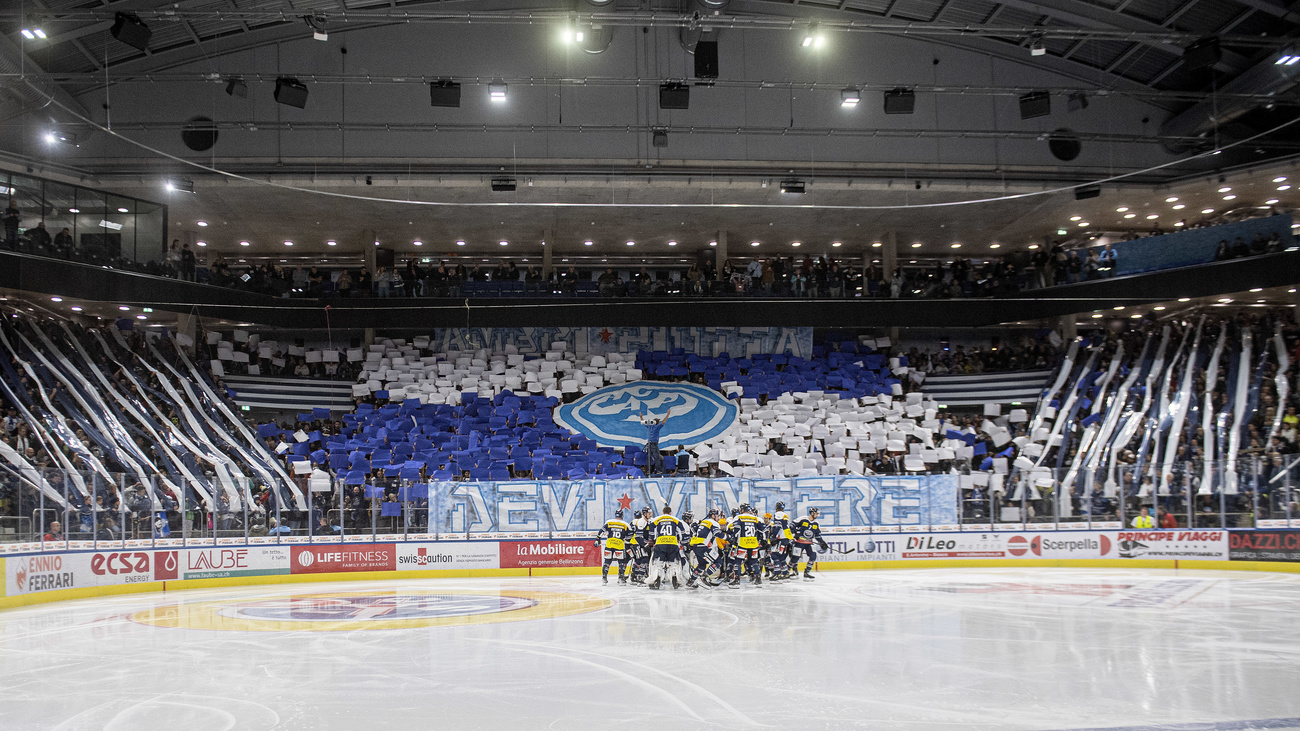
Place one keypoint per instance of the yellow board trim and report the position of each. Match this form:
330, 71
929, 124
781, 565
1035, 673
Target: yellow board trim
183, 584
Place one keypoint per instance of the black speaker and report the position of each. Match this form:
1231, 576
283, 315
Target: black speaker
1202, 54
1035, 104
131, 30
674, 96
291, 92
444, 93
199, 135
503, 185
1064, 145
1086, 192
900, 101
706, 60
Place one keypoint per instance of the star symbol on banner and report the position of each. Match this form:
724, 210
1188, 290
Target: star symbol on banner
605, 335
625, 502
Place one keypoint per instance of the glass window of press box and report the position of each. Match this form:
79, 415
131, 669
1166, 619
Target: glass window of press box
73, 222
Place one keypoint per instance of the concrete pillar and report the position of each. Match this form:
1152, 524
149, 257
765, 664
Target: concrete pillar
889, 253
548, 246
1069, 327
368, 249
187, 325
720, 256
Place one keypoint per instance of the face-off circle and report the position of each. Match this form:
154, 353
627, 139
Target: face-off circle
350, 611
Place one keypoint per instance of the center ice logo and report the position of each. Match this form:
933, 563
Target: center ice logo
612, 415
377, 607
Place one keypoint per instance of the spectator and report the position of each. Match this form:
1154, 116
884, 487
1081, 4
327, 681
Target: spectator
12, 219
1143, 520
187, 263
55, 533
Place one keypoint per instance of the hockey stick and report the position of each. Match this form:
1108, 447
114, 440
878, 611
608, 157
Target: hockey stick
842, 553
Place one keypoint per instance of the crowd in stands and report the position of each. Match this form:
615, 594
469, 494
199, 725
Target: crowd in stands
423, 417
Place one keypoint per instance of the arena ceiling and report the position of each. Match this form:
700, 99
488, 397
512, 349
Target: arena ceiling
576, 128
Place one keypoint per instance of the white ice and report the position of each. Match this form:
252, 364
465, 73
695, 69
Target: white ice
936, 649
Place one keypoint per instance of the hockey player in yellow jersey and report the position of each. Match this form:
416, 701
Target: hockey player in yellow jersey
667, 533
746, 537
618, 541
806, 533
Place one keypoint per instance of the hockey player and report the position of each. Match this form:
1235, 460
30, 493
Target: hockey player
668, 532
781, 538
641, 538
703, 539
806, 533
616, 535
746, 536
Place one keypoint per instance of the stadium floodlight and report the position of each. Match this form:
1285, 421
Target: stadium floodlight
497, 90
850, 96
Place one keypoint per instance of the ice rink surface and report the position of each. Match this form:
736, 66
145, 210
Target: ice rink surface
1030, 648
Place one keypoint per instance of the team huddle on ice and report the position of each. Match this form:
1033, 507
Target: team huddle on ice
714, 550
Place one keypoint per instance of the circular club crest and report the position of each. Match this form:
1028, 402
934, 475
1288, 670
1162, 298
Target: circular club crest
612, 416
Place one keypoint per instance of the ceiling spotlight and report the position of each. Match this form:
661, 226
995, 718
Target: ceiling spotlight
1271, 202
1171, 199
243, 243
1178, 224
1152, 217
813, 38
1096, 316
32, 34
672, 243
1225, 299
497, 90
1229, 197
142, 317
1158, 308
200, 243
417, 242
56, 299
995, 246
876, 245
1207, 210
123, 308
1179, 207
838, 244
796, 243
1284, 187
1225, 189
1184, 299
75, 308
504, 243
713, 243
1286, 59
1084, 224
850, 96
1118, 307
1257, 289
460, 243
1036, 47
1130, 215
631, 243
201, 224
792, 186
1061, 232
288, 243
123, 210
587, 243
318, 26
331, 243
1122, 209
1033, 246
74, 210
956, 246
184, 185
916, 245
1076, 218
